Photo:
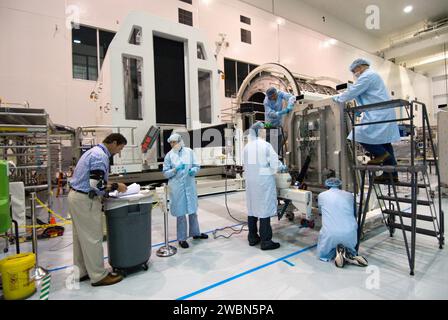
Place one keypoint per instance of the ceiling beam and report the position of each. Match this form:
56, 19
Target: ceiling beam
421, 42
421, 62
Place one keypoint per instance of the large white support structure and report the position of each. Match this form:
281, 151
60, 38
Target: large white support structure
134, 43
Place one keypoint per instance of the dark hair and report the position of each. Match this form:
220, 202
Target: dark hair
117, 137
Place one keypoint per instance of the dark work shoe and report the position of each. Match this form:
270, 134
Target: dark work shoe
110, 279
184, 244
201, 236
269, 245
254, 241
84, 278
380, 159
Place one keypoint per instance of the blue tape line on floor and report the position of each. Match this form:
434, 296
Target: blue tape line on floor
290, 263
153, 246
245, 273
57, 269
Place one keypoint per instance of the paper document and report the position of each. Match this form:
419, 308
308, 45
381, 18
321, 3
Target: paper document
132, 189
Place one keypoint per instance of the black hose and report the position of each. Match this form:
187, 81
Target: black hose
304, 169
225, 200
228, 211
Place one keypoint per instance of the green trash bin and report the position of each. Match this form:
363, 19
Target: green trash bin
5, 214
128, 221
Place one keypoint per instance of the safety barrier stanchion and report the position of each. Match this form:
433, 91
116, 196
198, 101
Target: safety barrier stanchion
166, 250
39, 272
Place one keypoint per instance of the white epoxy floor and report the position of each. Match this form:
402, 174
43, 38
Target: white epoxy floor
231, 269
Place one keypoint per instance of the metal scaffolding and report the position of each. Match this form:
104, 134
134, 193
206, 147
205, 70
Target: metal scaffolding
25, 140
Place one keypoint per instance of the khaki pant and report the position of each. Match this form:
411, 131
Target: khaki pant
87, 219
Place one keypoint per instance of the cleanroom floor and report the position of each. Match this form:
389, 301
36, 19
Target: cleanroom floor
231, 269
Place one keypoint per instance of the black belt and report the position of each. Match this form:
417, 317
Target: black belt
79, 191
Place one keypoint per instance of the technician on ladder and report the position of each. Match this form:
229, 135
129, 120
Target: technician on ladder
377, 139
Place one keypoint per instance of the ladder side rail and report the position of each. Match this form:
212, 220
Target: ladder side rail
436, 163
408, 252
432, 206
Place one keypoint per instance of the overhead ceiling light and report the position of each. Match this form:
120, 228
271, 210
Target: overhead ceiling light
428, 60
408, 9
328, 43
280, 21
77, 41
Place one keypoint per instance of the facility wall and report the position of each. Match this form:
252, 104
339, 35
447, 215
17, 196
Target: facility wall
36, 62
439, 79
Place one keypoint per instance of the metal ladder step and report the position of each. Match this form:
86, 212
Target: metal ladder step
426, 232
396, 168
405, 200
409, 215
405, 184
